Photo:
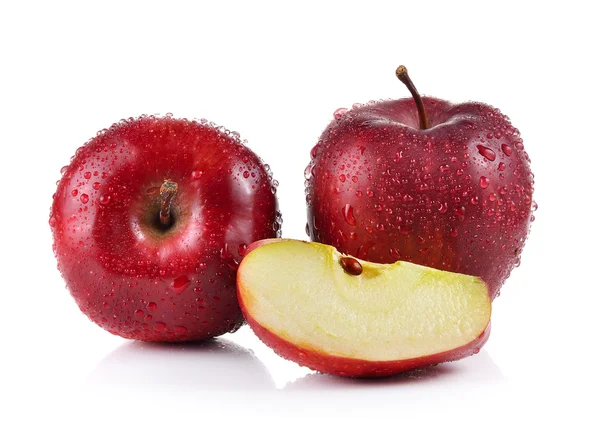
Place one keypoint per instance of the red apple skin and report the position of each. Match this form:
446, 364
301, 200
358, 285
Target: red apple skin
124, 273
348, 367
456, 196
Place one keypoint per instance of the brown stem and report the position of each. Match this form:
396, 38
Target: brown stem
351, 266
402, 74
167, 191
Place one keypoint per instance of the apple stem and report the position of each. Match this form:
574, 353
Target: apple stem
167, 191
351, 266
402, 74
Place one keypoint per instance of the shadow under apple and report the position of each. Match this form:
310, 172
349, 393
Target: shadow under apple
155, 368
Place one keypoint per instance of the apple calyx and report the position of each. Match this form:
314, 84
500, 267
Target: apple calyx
351, 266
402, 75
168, 190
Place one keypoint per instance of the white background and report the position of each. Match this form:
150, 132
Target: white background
275, 72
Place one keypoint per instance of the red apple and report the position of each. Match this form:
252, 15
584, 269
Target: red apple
150, 221
423, 180
344, 316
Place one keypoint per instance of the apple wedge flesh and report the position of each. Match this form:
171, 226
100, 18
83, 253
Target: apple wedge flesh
301, 301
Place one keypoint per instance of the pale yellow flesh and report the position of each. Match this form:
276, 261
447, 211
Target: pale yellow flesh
300, 292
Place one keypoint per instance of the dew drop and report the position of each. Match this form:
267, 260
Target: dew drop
180, 284
506, 149
484, 182
138, 313
87, 175
151, 306
180, 330
342, 178
74, 192
84, 198
486, 152
339, 113
96, 186
104, 199
160, 326
348, 213
246, 174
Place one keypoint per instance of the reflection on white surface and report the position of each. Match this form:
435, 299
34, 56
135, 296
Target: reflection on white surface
202, 367
477, 369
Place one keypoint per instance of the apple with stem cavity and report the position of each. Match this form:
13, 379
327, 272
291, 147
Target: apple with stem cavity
341, 315
150, 221
423, 180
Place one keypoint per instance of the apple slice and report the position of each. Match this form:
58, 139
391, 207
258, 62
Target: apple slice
350, 317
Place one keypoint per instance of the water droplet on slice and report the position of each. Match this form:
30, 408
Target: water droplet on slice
484, 182
84, 198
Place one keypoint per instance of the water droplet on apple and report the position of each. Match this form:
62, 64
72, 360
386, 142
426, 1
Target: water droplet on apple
242, 249
443, 208
492, 197
84, 198
339, 113
475, 200
180, 330
534, 206
460, 213
454, 232
313, 151
484, 182
52, 221
307, 171
506, 149
444, 168
196, 174
307, 229
74, 192
180, 284
96, 186
348, 212
404, 229
151, 306
104, 199
138, 313
246, 174
501, 166
87, 175
160, 326
342, 178
488, 153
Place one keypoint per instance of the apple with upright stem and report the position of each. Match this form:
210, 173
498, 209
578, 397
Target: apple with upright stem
423, 180
150, 221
